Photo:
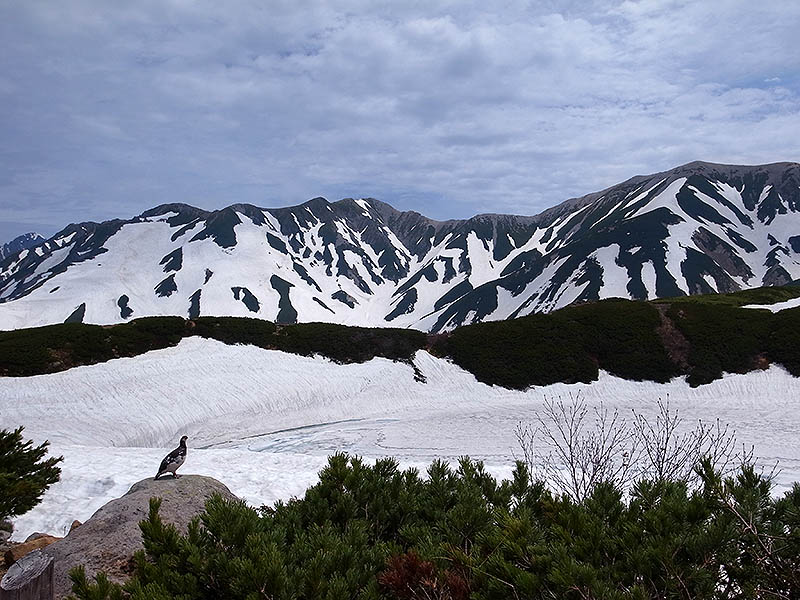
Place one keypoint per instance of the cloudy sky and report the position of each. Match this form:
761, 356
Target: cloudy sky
447, 108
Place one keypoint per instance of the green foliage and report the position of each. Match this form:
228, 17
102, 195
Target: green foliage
374, 531
722, 338
100, 589
762, 295
24, 473
736, 340
338, 342
235, 330
783, 345
534, 350
622, 337
568, 345
25, 352
350, 344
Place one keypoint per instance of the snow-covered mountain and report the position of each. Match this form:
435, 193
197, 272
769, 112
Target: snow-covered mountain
18, 244
698, 228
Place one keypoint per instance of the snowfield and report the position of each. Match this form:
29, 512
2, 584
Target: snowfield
777, 306
263, 422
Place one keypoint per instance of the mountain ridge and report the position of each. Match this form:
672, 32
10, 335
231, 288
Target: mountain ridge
19, 243
697, 164
698, 228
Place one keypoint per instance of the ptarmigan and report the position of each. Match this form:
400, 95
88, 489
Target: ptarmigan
173, 460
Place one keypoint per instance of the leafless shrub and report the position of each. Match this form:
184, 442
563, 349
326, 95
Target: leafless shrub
580, 455
672, 454
585, 447
525, 434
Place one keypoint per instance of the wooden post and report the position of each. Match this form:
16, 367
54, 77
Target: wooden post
30, 578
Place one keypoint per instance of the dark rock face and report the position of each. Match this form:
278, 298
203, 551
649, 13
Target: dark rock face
173, 261
344, 298
698, 228
108, 540
167, 287
18, 244
286, 312
194, 304
76, 316
125, 311
247, 298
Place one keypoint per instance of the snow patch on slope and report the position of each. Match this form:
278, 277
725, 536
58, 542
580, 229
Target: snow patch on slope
778, 306
649, 278
615, 277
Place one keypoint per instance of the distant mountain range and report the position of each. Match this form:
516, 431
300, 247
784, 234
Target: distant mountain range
18, 244
698, 228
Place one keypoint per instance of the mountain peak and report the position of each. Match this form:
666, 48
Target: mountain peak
19, 243
772, 171
185, 210
315, 203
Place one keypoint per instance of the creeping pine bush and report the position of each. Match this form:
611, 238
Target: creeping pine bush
375, 531
25, 473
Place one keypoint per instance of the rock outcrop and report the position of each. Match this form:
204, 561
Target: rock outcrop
17, 551
108, 540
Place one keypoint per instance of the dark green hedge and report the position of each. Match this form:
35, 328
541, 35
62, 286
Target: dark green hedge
337, 342
54, 348
762, 295
783, 345
722, 338
534, 350
728, 339
568, 345
58, 347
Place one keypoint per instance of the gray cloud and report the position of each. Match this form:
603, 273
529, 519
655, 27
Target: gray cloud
451, 109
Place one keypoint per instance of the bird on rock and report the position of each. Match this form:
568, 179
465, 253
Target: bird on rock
173, 460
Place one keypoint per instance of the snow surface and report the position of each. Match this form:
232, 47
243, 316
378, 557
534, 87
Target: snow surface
263, 422
615, 277
778, 306
649, 278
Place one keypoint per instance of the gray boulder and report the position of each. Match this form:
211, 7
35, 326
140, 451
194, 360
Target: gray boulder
6, 530
108, 540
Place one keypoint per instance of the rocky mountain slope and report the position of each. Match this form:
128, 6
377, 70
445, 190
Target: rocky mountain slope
18, 244
699, 228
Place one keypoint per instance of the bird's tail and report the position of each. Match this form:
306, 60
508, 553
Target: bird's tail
157, 475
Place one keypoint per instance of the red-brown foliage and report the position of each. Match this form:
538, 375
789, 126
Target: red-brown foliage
409, 577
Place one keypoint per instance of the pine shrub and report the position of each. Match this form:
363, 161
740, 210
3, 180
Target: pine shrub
25, 473
376, 532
